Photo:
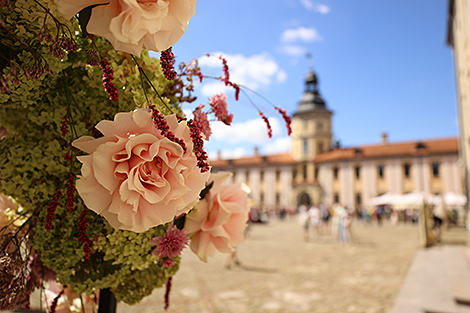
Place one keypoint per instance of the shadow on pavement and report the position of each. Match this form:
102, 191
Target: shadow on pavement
257, 269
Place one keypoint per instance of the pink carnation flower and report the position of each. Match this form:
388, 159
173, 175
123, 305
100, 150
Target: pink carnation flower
171, 244
219, 106
217, 222
134, 176
132, 24
201, 121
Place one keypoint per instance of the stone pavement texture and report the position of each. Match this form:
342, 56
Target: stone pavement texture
280, 272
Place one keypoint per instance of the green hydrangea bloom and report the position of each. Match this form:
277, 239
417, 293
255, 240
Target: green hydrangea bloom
32, 162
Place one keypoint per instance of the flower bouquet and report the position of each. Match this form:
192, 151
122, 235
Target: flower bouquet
103, 181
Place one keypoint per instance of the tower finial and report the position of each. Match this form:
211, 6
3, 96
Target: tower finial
310, 61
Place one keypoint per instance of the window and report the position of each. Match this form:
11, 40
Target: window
304, 170
261, 176
357, 170
294, 174
247, 175
278, 198
406, 170
278, 175
381, 170
305, 143
435, 169
261, 197
315, 173
319, 126
335, 172
336, 198
358, 199
320, 147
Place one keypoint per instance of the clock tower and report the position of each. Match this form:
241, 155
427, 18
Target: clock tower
311, 135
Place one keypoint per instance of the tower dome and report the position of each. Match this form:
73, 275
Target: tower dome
311, 99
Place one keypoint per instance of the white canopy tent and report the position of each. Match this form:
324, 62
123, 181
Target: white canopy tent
385, 199
454, 199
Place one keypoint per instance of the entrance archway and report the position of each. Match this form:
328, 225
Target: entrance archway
304, 199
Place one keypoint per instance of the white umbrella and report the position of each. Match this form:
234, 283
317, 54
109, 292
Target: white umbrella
386, 199
414, 200
452, 198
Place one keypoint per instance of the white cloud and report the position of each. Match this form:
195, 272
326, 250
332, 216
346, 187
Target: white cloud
300, 34
323, 9
235, 153
294, 50
311, 6
215, 87
279, 145
250, 131
254, 72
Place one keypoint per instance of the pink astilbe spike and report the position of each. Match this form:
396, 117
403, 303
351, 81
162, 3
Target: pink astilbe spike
160, 122
286, 118
196, 138
167, 293
82, 235
51, 209
167, 59
265, 119
108, 75
70, 191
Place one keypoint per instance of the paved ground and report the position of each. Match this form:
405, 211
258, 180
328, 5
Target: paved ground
280, 272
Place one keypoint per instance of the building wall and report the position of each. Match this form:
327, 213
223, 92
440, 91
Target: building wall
347, 186
271, 185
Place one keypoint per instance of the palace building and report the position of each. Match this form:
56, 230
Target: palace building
316, 171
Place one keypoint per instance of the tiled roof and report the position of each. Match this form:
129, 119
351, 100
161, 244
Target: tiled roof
400, 149
281, 159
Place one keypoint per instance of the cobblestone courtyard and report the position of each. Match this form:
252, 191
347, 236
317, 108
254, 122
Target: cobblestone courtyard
280, 272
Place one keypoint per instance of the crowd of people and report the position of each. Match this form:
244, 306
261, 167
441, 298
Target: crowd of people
319, 221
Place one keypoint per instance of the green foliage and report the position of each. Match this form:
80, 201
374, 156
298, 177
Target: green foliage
32, 163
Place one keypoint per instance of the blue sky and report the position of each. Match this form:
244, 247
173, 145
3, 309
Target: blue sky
382, 66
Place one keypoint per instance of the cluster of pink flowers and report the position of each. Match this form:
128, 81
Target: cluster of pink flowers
219, 107
202, 122
170, 245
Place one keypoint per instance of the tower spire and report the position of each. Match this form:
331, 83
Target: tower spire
310, 61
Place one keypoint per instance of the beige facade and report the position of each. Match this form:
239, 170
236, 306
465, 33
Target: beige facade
269, 178
458, 39
353, 176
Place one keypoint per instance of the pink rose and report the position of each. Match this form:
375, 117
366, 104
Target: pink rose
217, 222
135, 177
132, 24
